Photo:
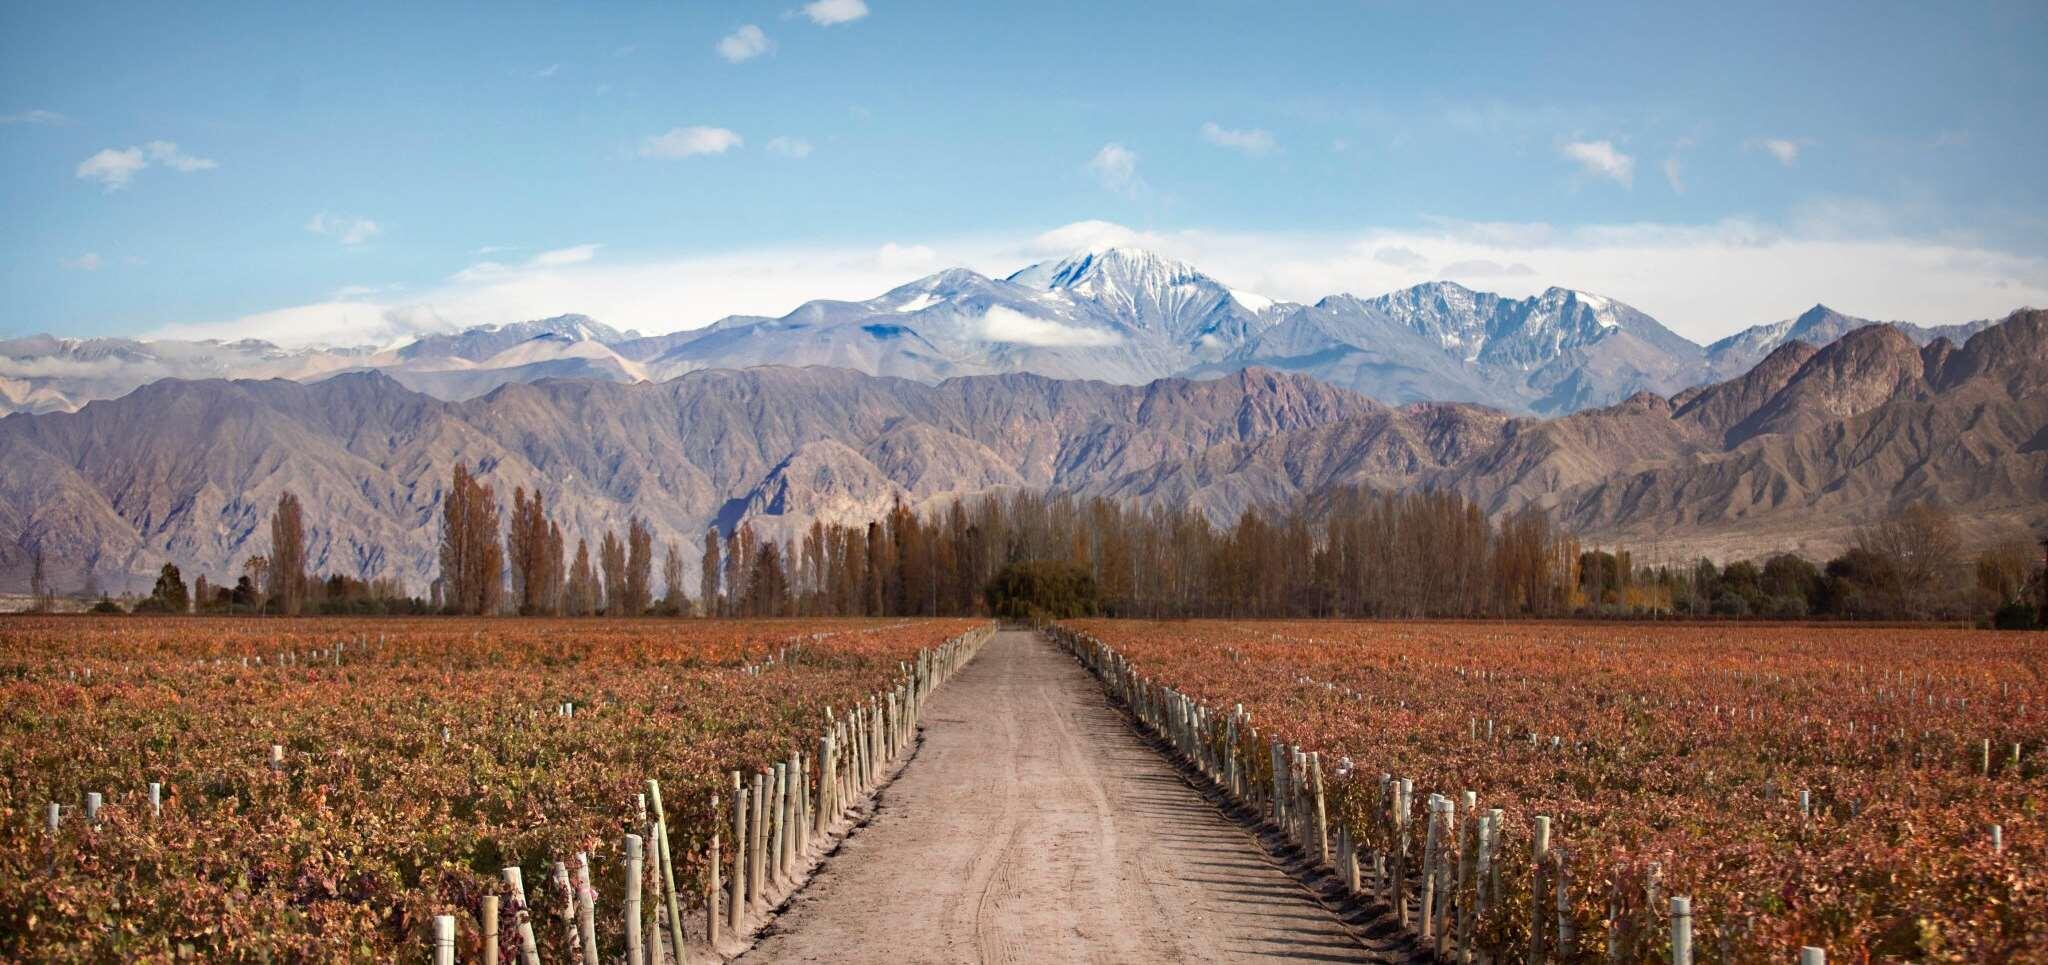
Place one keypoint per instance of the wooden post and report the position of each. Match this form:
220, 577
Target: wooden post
444, 940
635, 874
1681, 930
665, 861
490, 916
529, 951
739, 856
757, 846
93, 800
1315, 766
572, 940
1539, 855
1813, 956
156, 799
778, 808
713, 886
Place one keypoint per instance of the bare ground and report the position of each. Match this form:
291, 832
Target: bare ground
1035, 825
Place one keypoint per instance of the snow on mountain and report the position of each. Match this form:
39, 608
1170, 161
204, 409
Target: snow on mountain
1113, 314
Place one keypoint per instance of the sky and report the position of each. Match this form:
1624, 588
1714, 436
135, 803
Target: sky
350, 173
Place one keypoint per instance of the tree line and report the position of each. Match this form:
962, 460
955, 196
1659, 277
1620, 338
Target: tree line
1348, 553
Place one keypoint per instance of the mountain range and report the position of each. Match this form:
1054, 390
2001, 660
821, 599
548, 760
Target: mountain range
1791, 453
1117, 315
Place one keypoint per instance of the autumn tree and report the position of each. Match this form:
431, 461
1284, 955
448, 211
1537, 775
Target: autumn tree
472, 561
639, 576
41, 599
169, 594
532, 547
580, 597
288, 556
707, 579
611, 560
674, 601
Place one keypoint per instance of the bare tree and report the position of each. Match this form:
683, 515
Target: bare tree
472, 562
1924, 548
611, 559
581, 595
707, 581
288, 555
674, 600
41, 598
639, 588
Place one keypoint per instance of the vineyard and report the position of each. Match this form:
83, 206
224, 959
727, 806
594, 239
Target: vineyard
328, 789
1608, 792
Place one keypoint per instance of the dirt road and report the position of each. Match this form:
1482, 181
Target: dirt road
1035, 826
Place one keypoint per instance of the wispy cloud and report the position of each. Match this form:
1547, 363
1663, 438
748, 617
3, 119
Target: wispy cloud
115, 168
682, 142
1252, 141
112, 168
1602, 159
572, 255
90, 261
826, 13
789, 147
1116, 167
746, 43
549, 71
49, 118
1785, 149
168, 155
348, 229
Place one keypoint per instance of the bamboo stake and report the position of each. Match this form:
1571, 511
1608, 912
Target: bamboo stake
444, 940
635, 873
528, 950
490, 916
739, 855
667, 865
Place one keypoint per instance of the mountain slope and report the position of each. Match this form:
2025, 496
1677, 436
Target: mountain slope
1793, 454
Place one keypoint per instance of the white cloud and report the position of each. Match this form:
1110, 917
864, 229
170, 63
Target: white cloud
1000, 324
1084, 236
548, 71
789, 147
50, 118
1254, 142
90, 261
572, 255
826, 13
1116, 166
1400, 256
347, 229
111, 168
1600, 158
1785, 149
682, 142
1839, 254
114, 168
168, 155
1672, 175
746, 43
895, 257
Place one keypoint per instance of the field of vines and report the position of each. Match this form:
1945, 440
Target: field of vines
1876, 794
326, 787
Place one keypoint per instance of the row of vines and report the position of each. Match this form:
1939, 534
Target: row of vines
325, 789
1867, 794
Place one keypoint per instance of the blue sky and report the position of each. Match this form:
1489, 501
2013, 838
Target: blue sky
351, 172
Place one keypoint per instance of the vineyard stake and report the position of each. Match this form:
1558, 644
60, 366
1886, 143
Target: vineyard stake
568, 912
444, 940
635, 955
666, 860
1539, 854
490, 917
156, 798
712, 885
528, 950
739, 855
1681, 930
1813, 956
778, 806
